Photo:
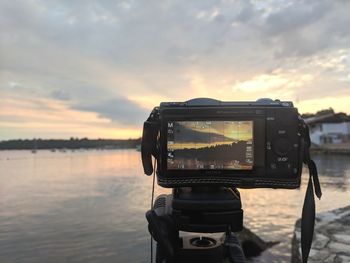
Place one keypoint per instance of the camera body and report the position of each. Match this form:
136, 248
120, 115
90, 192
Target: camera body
206, 142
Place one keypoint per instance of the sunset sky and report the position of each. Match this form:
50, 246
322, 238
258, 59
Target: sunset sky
96, 68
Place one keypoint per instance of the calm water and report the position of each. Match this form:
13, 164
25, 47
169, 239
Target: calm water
89, 206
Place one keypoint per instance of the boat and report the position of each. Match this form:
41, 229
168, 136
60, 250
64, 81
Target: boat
35, 147
138, 147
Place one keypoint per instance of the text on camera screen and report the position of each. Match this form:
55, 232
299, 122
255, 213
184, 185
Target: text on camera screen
219, 145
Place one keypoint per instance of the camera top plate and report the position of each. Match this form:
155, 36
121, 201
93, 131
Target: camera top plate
207, 102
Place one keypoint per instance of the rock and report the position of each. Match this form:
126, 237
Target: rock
330, 259
341, 259
331, 241
318, 255
320, 241
342, 238
338, 247
252, 244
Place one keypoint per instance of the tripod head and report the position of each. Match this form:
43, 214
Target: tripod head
195, 209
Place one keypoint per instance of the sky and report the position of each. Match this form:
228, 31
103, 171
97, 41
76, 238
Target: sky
96, 68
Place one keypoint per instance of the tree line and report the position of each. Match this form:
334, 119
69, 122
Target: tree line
224, 152
72, 143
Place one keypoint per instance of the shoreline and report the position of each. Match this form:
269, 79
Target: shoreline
332, 149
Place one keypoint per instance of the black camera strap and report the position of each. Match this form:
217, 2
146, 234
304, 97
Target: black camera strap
308, 214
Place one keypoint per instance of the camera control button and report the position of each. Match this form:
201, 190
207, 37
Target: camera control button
287, 117
281, 146
273, 166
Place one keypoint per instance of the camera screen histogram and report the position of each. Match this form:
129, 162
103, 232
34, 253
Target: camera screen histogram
219, 145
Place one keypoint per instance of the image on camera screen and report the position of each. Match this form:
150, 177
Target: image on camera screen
219, 145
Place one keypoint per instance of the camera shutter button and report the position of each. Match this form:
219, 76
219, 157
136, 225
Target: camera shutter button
281, 146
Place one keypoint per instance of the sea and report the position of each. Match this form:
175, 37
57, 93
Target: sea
89, 206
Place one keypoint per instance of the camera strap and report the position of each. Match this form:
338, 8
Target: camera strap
308, 213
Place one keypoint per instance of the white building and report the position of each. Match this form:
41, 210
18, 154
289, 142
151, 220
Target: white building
330, 133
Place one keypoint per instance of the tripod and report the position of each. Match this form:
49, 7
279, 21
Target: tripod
200, 210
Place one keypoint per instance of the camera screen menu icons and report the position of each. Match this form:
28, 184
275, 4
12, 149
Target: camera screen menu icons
219, 145
170, 143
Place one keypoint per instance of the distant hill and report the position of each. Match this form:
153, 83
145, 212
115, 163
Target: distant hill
73, 143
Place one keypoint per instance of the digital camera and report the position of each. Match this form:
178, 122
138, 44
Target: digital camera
203, 142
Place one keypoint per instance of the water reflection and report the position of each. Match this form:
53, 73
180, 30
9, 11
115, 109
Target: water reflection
89, 206
334, 170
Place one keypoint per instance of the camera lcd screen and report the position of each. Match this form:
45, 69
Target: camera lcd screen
218, 145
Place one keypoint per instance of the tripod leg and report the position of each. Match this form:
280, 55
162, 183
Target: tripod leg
161, 232
161, 256
234, 250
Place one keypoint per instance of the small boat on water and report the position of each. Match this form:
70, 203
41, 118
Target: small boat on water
35, 147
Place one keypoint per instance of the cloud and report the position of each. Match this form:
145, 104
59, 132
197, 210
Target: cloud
118, 59
60, 95
119, 110
268, 82
296, 16
305, 28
